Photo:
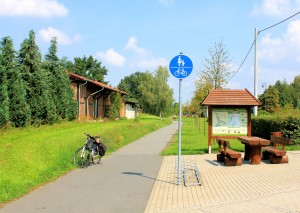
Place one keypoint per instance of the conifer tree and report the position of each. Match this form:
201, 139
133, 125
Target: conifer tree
19, 112
38, 92
4, 109
61, 91
116, 104
19, 109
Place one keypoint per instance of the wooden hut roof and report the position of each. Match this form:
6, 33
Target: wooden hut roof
96, 83
226, 97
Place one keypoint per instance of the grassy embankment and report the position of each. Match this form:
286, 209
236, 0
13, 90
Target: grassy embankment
31, 157
194, 139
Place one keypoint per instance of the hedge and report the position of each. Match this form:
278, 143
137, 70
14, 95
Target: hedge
288, 125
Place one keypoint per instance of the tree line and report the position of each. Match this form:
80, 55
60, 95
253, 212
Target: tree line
33, 90
281, 95
150, 90
36, 90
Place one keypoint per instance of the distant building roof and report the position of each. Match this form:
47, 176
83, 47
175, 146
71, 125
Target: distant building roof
95, 82
226, 97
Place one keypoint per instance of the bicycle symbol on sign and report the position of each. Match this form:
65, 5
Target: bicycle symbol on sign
182, 72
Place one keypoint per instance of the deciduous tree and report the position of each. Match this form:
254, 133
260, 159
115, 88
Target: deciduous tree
130, 84
156, 95
88, 67
164, 94
216, 68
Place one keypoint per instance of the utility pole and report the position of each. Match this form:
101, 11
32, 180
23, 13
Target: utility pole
255, 70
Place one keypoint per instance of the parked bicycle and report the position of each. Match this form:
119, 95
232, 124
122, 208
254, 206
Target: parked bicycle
91, 152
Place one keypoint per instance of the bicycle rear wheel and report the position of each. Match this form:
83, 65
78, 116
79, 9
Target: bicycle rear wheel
82, 157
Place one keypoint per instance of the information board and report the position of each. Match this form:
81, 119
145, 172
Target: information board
229, 121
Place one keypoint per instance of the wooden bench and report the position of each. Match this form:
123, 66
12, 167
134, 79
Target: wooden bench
227, 155
274, 153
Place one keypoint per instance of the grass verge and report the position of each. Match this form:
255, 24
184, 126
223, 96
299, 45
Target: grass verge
30, 157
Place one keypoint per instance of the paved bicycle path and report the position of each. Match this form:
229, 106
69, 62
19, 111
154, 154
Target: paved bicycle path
122, 183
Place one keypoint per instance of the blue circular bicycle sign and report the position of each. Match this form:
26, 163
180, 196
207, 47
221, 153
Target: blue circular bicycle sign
181, 66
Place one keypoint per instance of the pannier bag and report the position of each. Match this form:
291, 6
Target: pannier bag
102, 149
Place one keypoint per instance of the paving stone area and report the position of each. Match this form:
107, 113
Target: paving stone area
248, 188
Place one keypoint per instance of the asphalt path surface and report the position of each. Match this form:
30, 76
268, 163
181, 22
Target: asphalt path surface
122, 183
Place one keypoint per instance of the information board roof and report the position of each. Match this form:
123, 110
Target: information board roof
227, 97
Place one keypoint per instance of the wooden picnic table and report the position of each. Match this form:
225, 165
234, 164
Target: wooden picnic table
253, 147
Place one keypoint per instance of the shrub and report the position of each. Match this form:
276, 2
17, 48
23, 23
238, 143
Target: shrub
287, 123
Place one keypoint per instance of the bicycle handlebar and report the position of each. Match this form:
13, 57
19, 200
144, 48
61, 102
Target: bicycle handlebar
88, 135
91, 137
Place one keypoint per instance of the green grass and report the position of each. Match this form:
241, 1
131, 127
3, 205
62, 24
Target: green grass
30, 157
194, 136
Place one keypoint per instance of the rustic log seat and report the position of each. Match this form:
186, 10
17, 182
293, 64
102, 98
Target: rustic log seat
227, 155
274, 153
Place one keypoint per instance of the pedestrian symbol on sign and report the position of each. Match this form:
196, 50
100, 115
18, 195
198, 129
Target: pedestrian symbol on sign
180, 61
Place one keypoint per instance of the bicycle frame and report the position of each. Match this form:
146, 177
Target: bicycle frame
83, 152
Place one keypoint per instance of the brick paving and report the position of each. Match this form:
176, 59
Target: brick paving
248, 188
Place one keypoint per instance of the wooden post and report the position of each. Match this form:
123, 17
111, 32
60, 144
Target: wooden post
277, 134
249, 121
209, 128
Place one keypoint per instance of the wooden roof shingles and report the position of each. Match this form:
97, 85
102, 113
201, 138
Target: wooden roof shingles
96, 83
226, 97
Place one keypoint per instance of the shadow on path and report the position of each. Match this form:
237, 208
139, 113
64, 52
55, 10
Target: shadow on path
142, 175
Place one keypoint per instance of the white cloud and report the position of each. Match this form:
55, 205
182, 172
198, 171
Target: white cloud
151, 62
276, 8
143, 58
132, 45
111, 57
292, 38
293, 33
48, 33
41, 8
271, 49
285, 47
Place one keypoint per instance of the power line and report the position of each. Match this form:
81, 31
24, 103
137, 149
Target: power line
254, 42
243, 61
279, 22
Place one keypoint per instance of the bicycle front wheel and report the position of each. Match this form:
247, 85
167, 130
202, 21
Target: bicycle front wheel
82, 157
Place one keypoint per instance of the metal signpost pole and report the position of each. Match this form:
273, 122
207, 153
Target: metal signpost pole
180, 67
179, 135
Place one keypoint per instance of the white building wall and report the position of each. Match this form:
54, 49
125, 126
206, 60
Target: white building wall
130, 111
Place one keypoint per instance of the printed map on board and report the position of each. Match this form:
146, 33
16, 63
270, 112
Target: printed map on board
229, 121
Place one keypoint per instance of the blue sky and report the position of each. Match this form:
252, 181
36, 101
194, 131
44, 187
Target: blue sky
133, 35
